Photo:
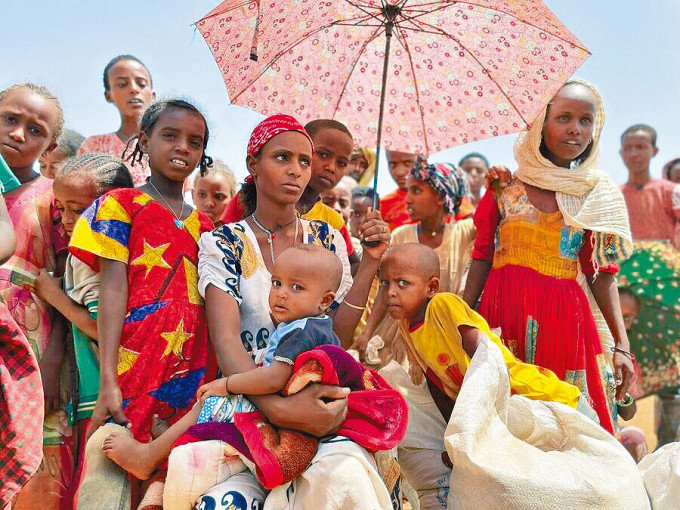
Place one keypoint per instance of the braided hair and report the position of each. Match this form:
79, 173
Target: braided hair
45, 93
149, 121
120, 58
103, 171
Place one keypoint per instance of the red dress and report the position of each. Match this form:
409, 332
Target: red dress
393, 209
532, 294
163, 345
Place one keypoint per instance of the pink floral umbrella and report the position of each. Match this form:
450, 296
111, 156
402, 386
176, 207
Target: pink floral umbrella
457, 71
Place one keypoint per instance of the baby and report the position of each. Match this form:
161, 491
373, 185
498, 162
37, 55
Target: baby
305, 279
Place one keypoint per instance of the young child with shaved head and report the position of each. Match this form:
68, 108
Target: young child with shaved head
442, 332
305, 279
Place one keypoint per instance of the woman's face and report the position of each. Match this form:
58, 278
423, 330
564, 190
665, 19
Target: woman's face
568, 127
358, 164
476, 170
422, 202
282, 168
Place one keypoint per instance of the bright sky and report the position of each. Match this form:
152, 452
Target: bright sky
65, 45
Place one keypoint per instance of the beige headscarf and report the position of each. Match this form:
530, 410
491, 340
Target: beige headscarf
586, 196
366, 178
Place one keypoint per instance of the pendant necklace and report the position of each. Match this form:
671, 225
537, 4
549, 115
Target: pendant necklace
179, 223
433, 233
271, 234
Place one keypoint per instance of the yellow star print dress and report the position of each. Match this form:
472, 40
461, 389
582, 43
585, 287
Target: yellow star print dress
164, 342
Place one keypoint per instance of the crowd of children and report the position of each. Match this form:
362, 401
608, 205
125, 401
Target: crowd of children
144, 295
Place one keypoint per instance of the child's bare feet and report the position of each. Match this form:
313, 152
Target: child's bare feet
133, 456
158, 426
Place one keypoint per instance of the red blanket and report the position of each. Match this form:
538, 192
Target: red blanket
377, 417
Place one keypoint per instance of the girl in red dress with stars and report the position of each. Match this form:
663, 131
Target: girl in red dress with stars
152, 328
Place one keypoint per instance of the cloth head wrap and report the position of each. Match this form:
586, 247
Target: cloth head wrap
446, 179
586, 196
272, 126
366, 178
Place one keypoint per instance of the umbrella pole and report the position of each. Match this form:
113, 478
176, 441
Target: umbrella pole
390, 14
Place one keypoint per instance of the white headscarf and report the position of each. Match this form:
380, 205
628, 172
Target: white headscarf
586, 196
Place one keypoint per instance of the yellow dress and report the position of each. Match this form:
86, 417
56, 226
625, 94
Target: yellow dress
436, 345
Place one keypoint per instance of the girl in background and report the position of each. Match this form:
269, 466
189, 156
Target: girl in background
212, 190
128, 86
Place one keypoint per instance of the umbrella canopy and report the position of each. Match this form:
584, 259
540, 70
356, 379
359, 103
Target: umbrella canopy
458, 71
652, 273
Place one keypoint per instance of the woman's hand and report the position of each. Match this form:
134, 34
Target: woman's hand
109, 405
46, 285
216, 388
374, 230
497, 177
318, 410
623, 374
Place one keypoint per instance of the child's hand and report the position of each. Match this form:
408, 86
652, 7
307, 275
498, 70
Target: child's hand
49, 373
374, 230
498, 177
216, 388
46, 285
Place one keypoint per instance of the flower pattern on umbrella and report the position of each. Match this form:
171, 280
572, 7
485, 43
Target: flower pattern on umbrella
458, 72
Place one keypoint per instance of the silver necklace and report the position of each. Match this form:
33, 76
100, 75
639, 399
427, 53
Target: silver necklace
179, 223
433, 233
271, 234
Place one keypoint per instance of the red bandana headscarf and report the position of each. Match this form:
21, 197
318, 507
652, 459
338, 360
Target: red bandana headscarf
272, 126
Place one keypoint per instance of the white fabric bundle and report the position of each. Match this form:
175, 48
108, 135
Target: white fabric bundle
661, 473
513, 453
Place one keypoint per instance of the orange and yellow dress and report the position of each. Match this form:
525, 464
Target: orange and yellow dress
532, 294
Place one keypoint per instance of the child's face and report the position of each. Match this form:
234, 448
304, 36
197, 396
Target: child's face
476, 170
400, 164
283, 167
360, 207
27, 126
175, 145
332, 150
129, 88
51, 163
637, 151
422, 202
629, 309
73, 195
569, 123
358, 164
405, 289
299, 287
674, 173
212, 193
340, 200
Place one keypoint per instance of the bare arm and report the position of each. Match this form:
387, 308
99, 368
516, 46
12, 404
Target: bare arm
606, 296
8, 240
51, 361
317, 410
262, 380
346, 318
49, 289
113, 298
479, 270
376, 316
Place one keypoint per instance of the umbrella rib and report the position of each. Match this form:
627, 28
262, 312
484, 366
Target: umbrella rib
487, 73
468, 2
354, 65
362, 9
415, 84
212, 14
279, 55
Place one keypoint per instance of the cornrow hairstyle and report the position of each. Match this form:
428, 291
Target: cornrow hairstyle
365, 192
150, 119
641, 127
45, 93
119, 58
317, 125
220, 167
473, 155
668, 168
69, 142
103, 171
